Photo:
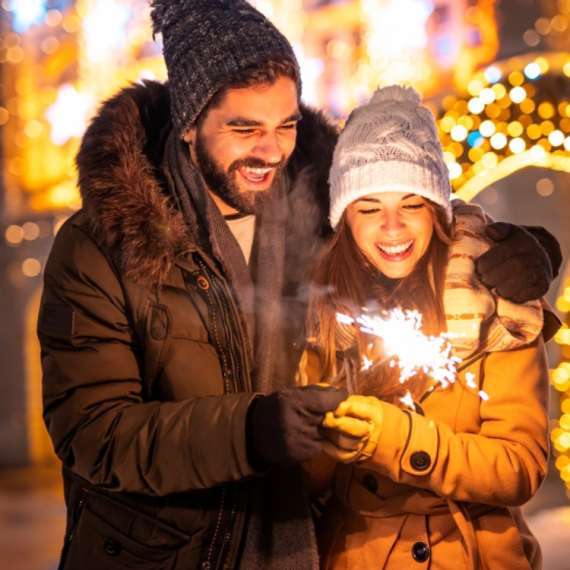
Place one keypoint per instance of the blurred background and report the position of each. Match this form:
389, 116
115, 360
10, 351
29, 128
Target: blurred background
496, 73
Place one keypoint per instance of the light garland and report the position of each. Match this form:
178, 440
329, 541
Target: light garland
507, 120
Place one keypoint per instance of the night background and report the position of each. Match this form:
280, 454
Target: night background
495, 73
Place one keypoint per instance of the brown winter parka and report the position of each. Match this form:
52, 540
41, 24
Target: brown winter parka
147, 372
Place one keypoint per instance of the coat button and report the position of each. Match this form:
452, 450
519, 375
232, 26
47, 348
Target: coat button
203, 283
420, 460
420, 552
369, 481
158, 333
206, 565
112, 548
227, 373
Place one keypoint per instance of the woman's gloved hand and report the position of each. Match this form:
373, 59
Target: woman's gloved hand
352, 431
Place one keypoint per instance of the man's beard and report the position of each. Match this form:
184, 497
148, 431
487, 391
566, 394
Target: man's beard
224, 184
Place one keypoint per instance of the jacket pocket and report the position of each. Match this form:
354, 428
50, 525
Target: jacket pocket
111, 535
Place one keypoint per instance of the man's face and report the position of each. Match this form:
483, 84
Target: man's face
242, 144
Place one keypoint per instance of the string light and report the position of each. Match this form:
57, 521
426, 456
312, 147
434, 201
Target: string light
524, 123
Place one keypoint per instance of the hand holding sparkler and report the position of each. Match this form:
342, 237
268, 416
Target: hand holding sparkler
353, 430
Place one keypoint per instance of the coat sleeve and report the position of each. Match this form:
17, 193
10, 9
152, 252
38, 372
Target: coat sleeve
503, 464
94, 408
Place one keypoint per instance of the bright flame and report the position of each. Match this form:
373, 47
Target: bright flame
408, 347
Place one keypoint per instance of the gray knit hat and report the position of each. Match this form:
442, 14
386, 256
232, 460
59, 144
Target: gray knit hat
203, 40
389, 145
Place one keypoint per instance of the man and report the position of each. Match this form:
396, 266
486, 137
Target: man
171, 319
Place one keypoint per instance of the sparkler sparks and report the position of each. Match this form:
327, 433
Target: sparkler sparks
407, 347
469, 378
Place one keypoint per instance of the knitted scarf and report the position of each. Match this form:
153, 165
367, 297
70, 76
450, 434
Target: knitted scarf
479, 319
279, 532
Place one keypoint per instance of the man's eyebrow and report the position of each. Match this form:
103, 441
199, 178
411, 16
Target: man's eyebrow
243, 122
295, 117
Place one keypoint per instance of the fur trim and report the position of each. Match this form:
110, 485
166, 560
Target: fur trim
124, 191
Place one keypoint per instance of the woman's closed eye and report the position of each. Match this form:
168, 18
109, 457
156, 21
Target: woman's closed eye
414, 206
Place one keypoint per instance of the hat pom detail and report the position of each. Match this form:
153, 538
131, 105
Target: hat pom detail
396, 93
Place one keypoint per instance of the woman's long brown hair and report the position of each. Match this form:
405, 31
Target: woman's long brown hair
342, 280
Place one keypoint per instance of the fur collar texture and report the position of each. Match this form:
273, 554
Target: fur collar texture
124, 190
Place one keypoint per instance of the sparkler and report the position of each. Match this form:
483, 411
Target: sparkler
407, 347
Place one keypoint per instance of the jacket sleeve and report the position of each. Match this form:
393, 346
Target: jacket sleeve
94, 408
503, 464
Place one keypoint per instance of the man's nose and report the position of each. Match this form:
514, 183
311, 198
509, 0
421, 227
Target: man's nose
268, 148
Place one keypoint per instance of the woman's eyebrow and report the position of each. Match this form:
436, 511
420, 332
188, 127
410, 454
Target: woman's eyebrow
367, 199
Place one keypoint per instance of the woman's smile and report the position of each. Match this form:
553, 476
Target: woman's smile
396, 252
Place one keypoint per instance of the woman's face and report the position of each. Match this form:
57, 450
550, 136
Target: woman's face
392, 229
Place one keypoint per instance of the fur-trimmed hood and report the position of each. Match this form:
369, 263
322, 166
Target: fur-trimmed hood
123, 189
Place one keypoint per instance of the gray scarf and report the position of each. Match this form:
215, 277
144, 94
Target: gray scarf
280, 533
260, 305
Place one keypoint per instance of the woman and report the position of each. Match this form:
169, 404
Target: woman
427, 474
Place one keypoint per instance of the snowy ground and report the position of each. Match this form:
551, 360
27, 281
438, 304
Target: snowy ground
552, 529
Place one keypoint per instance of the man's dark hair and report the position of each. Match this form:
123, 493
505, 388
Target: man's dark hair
263, 72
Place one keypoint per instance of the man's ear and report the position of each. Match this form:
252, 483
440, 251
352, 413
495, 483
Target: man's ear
190, 135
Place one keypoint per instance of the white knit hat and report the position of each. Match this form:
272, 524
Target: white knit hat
389, 145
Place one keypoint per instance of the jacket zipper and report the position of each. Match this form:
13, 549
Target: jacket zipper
238, 384
231, 341
230, 529
73, 528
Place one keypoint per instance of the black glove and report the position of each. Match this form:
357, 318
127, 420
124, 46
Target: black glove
283, 427
516, 266
550, 244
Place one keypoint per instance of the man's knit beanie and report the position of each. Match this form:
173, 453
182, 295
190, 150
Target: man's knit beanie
389, 145
203, 40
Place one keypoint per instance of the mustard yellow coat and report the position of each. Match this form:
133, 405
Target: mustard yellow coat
443, 490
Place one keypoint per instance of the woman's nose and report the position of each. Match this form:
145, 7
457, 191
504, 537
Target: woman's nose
392, 222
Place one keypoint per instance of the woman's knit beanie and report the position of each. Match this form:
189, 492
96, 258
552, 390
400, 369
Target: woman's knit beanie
203, 40
389, 145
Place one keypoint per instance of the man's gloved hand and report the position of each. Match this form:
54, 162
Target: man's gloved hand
517, 266
353, 430
550, 244
284, 427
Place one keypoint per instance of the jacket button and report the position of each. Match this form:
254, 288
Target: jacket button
227, 373
203, 283
369, 481
420, 552
112, 548
420, 460
206, 565
158, 333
